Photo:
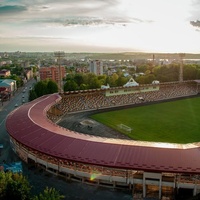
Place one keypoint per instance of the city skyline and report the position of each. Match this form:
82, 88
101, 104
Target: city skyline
100, 26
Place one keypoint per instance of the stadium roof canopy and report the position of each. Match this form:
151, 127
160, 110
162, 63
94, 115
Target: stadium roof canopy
29, 125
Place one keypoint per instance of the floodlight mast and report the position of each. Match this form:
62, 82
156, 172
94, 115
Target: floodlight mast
59, 55
181, 56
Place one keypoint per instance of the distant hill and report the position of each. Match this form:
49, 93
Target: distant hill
133, 55
101, 56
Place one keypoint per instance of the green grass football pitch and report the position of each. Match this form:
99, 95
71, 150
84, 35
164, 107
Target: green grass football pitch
172, 122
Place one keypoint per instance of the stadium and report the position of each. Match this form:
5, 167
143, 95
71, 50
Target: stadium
148, 169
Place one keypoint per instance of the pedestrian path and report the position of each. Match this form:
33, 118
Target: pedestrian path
3, 105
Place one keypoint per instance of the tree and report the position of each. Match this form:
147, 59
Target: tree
121, 81
167, 73
34, 68
40, 88
140, 79
16, 69
142, 68
190, 72
52, 87
70, 85
32, 95
88, 77
19, 80
102, 79
83, 87
132, 70
113, 79
94, 83
14, 186
78, 78
149, 78
49, 194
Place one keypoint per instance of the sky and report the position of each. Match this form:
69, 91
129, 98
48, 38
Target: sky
170, 26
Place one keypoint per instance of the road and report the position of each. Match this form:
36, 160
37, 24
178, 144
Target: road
39, 179
17, 99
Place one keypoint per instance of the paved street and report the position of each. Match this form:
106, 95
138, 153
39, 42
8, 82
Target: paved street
17, 99
38, 179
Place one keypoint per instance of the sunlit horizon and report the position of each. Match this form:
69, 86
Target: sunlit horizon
100, 26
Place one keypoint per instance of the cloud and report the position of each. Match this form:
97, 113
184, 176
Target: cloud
12, 9
195, 23
66, 13
60, 9
130, 23
92, 21
84, 4
194, 10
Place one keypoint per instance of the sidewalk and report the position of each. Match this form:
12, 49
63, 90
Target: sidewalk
5, 103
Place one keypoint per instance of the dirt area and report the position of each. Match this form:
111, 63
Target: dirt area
82, 123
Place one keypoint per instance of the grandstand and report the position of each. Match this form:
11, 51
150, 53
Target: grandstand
117, 163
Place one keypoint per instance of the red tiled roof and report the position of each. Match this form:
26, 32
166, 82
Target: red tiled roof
29, 125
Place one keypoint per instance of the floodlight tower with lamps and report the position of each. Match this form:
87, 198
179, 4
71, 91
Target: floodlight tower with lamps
58, 55
181, 56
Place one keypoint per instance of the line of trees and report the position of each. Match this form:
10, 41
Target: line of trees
41, 88
84, 81
164, 73
167, 73
15, 186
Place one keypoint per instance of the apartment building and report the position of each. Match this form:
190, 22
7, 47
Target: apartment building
53, 72
96, 67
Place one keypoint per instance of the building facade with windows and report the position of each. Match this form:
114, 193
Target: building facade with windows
54, 73
96, 67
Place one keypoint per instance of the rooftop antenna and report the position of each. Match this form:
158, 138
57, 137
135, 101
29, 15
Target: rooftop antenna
59, 55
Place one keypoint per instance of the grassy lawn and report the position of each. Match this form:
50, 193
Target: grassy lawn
174, 122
